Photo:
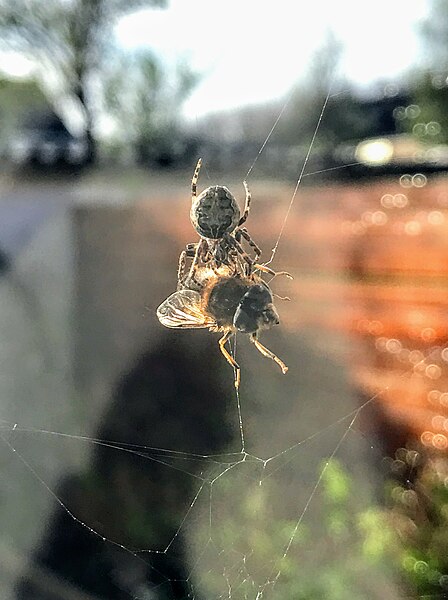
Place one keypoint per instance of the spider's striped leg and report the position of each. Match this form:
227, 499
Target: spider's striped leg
242, 232
211, 256
265, 352
229, 358
205, 254
235, 263
232, 242
181, 268
247, 206
201, 246
232, 256
189, 252
194, 181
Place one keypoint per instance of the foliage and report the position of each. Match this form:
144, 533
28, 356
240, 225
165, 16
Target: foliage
70, 38
147, 97
357, 552
17, 99
426, 115
419, 514
238, 135
342, 552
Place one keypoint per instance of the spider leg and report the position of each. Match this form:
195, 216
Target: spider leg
215, 255
265, 352
224, 253
247, 206
189, 252
229, 358
200, 247
242, 232
265, 269
194, 181
233, 242
181, 268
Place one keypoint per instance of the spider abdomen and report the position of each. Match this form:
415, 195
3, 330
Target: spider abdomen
215, 212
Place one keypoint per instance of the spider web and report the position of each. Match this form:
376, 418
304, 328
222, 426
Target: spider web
240, 547
259, 471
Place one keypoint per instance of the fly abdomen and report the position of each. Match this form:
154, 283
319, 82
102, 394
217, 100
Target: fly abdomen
224, 299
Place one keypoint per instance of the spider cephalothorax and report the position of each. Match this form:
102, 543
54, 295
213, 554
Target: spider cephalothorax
217, 218
215, 212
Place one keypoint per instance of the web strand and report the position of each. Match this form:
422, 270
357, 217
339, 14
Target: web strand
302, 171
316, 486
223, 463
241, 457
68, 511
268, 137
278, 119
238, 404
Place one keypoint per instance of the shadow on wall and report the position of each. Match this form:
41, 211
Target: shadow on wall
179, 396
132, 496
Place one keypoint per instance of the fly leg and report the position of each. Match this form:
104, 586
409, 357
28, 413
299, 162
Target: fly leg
265, 352
265, 269
229, 358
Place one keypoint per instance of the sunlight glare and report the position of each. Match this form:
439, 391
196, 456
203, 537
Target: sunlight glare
249, 53
14, 64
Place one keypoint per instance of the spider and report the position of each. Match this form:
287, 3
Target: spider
217, 218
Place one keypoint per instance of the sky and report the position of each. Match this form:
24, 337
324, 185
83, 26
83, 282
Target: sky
254, 51
249, 51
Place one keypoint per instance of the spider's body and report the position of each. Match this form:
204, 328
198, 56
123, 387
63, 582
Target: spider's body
217, 218
215, 213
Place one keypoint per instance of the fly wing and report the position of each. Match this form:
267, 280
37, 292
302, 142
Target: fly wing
182, 310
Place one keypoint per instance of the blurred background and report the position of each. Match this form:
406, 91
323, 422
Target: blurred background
128, 468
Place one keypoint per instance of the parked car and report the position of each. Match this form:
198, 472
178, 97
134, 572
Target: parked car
44, 141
